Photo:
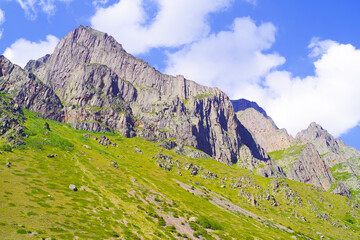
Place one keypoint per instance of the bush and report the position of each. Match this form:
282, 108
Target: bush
209, 223
193, 226
152, 213
21, 231
161, 221
47, 126
6, 147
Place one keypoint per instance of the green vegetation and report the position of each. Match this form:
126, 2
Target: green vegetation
293, 151
203, 95
6, 147
209, 223
139, 200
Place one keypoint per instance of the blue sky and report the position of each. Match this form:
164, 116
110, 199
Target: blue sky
300, 60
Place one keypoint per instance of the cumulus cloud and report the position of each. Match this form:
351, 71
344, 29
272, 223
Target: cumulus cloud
22, 50
331, 97
174, 23
235, 61
31, 7
230, 59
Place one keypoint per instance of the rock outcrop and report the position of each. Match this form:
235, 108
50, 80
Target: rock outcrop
322, 140
311, 168
265, 168
264, 130
11, 122
342, 189
343, 160
27, 91
243, 104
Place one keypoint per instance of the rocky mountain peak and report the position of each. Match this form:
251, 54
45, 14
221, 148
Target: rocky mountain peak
315, 125
261, 126
243, 104
321, 138
102, 88
313, 131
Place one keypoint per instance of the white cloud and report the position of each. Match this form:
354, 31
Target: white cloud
31, 7
176, 22
22, 50
232, 60
318, 47
235, 61
331, 97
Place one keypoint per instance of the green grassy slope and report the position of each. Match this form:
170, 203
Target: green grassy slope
136, 199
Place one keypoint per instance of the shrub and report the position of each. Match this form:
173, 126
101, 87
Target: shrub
47, 126
21, 231
193, 226
6, 147
209, 223
161, 221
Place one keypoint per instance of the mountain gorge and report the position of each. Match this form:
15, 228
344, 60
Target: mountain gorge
115, 118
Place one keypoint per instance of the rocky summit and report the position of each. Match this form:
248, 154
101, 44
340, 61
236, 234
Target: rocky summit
97, 144
93, 84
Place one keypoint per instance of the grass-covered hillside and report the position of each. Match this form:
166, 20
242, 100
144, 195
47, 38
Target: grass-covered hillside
134, 189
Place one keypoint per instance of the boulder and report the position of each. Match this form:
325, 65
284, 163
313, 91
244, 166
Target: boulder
193, 219
73, 187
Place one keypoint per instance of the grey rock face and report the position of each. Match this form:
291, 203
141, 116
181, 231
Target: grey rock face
322, 140
27, 91
33, 64
243, 104
169, 144
11, 120
343, 159
343, 190
103, 87
265, 168
264, 130
310, 168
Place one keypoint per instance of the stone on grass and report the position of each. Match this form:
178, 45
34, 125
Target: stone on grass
193, 219
137, 150
73, 187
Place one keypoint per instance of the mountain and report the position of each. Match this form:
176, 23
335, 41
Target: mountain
97, 144
343, 160
102, 87
74, 184
28, 91
314, 156
262, 127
